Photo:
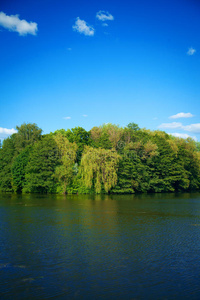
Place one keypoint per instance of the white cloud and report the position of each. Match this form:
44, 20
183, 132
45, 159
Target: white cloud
172, 125
104, 16
4, 132
191, 51
85, 116
181, 115
82, 27
69, 49
192, 128
195, 128
13, 23
183, 135
7, 131
67, 118
104, 24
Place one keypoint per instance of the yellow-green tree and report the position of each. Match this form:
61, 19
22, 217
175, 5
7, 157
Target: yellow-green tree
99, 168
67, 154
114, 133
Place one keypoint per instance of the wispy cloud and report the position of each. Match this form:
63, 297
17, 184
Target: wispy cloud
181, 115
82, 27
183, 135
172, 125
13, 23
195, 128
67, 118
104, 16
5, 132
85, 116
69, 49
192, 128
104, 24
191, 51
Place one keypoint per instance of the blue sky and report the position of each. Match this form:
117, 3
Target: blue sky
85, 63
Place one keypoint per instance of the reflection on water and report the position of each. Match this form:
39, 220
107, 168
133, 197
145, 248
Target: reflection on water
100, 247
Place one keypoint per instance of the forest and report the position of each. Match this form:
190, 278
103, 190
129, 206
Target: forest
106, 159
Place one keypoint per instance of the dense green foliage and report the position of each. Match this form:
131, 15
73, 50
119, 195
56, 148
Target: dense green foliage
7, 154
99, 168
106, 159
18, 169
64, 172
41, 167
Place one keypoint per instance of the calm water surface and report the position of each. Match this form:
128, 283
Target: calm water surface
103, 247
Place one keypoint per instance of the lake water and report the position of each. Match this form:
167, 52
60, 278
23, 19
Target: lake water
100, 247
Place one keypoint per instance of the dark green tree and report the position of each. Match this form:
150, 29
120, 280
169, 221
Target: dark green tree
133, 126
79, 136
18, 169
189, 157
41, 167
27, 135
125, 174
168, 172
7, 154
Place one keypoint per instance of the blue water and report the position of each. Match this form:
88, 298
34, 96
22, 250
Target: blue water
100, 247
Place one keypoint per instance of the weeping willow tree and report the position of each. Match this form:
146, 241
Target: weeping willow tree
67, 154
99, 168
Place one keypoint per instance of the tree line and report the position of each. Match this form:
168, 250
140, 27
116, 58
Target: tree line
106, 159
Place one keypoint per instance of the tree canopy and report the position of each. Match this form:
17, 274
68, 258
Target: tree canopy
106, 159
67, 153
99, 168
27, 135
